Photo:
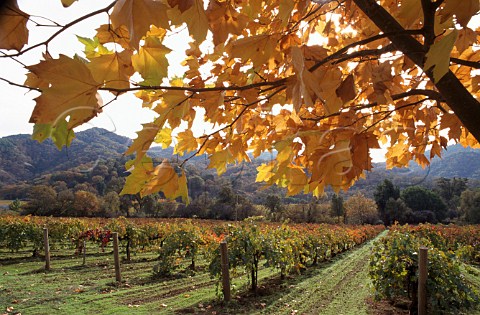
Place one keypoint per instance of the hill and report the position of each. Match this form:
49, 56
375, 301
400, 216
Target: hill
22, 158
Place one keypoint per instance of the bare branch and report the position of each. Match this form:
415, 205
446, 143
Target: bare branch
468, 63
20, 85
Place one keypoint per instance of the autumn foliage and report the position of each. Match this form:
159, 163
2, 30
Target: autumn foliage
321, 82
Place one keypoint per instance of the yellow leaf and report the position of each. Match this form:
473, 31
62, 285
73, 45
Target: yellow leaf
140, 174
186, 142
113, 70
67, 3
258, 48
13, 26
438, 55
107, 34
164, 179
265, 172
197, 21
71, 92
410, 11
151, 61
182, 190
219, 160
463, 10
466, 38
145, 138
296, 180
224, 20
164, 137
284, 149
285, 9
138, 16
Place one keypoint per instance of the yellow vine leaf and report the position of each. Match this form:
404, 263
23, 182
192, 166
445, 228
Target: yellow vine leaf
463, 10
113, 70
138, 16
164, 137
220, 159
438, 55
186, 143
13, 26
71, 92
151, 61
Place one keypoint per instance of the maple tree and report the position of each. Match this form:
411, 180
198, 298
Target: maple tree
321, 82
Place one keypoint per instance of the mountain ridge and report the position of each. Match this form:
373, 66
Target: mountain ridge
23, 159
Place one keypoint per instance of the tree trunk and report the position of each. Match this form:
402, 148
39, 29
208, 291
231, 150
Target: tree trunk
458, 98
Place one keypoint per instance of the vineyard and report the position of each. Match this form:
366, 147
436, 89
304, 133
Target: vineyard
174, 267
172, 254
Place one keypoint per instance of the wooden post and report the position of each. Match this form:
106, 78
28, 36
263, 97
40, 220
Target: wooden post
422, 281
116, 256
46, 248
84, 252
225, 272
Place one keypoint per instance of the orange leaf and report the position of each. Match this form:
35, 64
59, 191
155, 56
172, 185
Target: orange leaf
71, 91
13, 26
138, 16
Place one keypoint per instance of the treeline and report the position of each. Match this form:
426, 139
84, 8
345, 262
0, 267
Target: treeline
94, 192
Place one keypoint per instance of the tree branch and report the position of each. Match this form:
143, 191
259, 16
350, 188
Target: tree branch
468, 63
459, 99
20, 85
64, 28
344, 50
276, 83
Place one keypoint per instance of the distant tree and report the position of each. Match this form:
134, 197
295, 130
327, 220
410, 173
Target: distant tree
383, 192
419, 198
85, 204
99, 184
196, 186
361, 210
337, 207
110, 205
65, 199
450, 190
470, 206
60, 186
273, 203
397, 211
41, 201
